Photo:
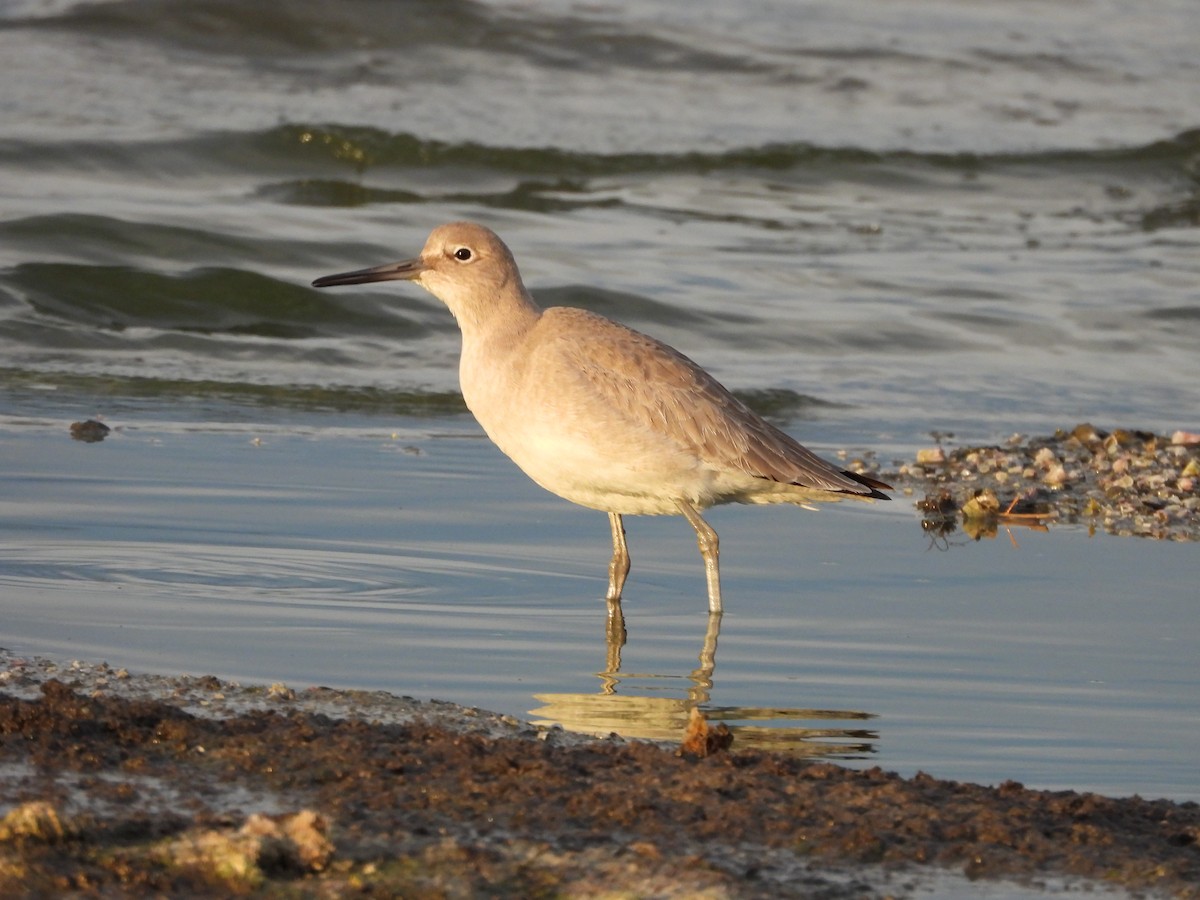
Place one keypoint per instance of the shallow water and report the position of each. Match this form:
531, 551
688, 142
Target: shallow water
977, 218
330, 550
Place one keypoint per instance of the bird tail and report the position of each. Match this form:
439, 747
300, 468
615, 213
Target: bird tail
877, 487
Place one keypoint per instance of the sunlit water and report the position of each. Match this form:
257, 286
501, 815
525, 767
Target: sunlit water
971, 217
873, 221
409, 556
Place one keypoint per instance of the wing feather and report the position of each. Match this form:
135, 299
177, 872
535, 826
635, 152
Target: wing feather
678, 401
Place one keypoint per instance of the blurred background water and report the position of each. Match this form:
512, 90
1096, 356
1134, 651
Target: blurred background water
874, 221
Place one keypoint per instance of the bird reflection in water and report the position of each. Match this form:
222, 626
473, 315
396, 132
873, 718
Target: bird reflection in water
633, 706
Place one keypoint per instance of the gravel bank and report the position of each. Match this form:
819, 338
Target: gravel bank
1123, 482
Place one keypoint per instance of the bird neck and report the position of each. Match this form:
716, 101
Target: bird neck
505, 317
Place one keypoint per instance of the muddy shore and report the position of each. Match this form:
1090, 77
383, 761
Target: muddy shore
134, 785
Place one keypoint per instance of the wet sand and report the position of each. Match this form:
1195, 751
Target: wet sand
119, 784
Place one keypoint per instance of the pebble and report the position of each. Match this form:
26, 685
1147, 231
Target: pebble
1125, 481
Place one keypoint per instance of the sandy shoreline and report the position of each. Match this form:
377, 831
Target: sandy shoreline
141, 784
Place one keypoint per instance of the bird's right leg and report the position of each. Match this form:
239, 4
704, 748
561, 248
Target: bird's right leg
618, 568
709, 550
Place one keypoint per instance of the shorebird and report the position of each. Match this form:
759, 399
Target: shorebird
603, 415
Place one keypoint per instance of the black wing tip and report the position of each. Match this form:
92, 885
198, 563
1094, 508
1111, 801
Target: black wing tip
877, 487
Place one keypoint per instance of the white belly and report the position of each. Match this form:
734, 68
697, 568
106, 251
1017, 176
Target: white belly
615, 474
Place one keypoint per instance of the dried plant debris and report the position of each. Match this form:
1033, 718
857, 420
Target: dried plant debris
1123, 482
701, 739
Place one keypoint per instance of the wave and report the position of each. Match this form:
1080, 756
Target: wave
200, 301
365, 147
361, 148
308, 27
334, 398
779, 405
352, 166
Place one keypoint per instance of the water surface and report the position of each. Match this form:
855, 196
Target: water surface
415, 560
975, 218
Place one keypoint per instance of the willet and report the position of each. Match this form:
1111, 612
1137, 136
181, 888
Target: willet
603, 415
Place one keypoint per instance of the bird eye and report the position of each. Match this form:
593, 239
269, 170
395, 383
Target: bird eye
462, 254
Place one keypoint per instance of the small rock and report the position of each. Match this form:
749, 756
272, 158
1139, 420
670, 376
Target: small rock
280, 691
1057, 475
89, 432
1045, 458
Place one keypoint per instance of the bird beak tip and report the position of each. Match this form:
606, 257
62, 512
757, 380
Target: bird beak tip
409, 270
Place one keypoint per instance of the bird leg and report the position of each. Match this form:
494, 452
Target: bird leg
615, 636
702, 677
707, 539
618, 568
